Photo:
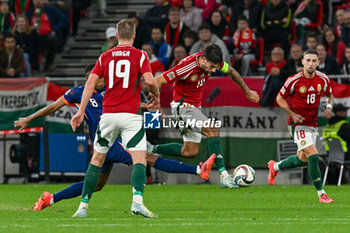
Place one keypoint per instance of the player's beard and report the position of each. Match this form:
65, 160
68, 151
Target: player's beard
311, 72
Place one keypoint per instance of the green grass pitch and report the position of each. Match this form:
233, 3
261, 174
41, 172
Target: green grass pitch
181, 208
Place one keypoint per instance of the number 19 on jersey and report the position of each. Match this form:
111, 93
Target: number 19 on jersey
121, 69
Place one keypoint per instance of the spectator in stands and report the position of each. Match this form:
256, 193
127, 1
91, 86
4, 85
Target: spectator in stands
190, 37
179, 54
346, 65
11, 59
65, 7
339, 128
102, 5
328, 64
345, 31
175, 28
77, 7
143, 32
191, 15
158, 14
311, 42
273, 80
49, 23
293, 65
306, 13
7, 18
156, 66
19, 7
244, 43
334, 46
205, 38
207, 6
111, 42
275, 23
252, 9
160, 48
218, 25
28, 40
339, 16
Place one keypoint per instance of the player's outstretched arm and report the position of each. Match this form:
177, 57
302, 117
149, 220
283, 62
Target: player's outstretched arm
328, 111
90, 84
160, 80
284, 105
24, 121
236, 77
153, 88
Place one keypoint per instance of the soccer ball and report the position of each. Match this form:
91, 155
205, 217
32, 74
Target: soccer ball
243, 175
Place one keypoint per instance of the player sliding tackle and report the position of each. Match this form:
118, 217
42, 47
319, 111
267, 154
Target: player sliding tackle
117, 154
189, 78
305, 89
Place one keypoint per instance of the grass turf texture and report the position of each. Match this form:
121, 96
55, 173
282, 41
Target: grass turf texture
189, 208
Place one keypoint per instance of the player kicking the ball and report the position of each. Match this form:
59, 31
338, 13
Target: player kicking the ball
305, 89
117, 154
189, 78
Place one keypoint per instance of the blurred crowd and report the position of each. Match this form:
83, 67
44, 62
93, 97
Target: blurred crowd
252, 34
32, 32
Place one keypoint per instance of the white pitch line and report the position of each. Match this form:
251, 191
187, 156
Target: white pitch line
190, 219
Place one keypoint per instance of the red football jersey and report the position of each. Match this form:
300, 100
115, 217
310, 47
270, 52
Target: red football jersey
122, 68
306, 94
189, 80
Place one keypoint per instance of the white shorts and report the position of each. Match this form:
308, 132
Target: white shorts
304, 136
185, 111
127, 125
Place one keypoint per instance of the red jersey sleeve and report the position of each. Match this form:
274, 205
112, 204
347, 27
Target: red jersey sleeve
328, 87
144, 63
172, 74
98, 67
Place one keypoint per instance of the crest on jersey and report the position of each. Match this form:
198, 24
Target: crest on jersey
194, 77
319, 88
171, 75
302, 89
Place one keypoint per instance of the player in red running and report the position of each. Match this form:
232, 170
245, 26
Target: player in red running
305, 89
189, 78
122, 68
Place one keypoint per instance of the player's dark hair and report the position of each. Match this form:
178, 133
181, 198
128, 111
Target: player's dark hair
310, 51
213, 54
125, 29
89, 68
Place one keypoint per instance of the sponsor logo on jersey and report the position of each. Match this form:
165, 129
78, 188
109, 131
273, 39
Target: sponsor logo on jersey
171, 75
319, 88
302, 89
151, 120
303, 142
194, 77
311, 88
